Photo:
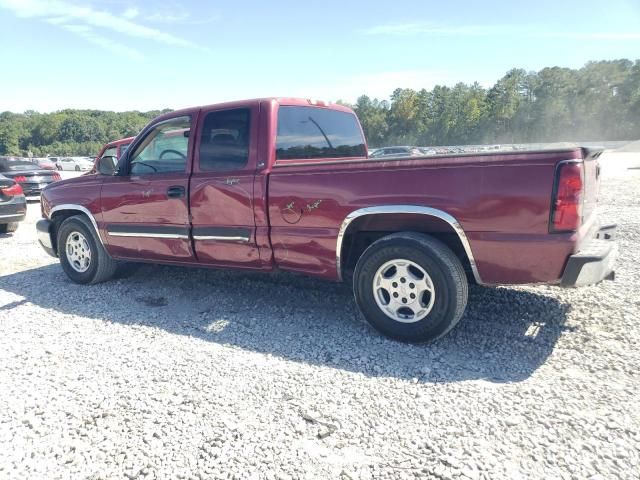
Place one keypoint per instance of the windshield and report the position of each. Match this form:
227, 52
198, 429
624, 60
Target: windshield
16, 165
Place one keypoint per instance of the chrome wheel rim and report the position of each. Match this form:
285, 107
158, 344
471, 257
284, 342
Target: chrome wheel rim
404, 291
78, 252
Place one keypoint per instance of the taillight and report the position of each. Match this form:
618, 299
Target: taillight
55, 176
566, 211
20, 178
12, 191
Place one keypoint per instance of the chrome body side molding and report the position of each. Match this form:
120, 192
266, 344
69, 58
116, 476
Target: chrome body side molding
221, 238
409, 209
147, 235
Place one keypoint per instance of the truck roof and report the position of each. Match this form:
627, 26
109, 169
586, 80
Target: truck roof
250, 102
120, 141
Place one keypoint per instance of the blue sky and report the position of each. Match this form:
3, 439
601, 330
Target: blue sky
145, 55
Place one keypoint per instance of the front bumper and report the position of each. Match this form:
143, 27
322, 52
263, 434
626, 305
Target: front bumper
43, 228
595, 260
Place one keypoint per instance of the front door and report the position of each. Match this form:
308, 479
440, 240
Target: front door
222, 207
145, 207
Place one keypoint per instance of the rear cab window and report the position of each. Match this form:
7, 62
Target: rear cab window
224, 141
316, 132
15, 165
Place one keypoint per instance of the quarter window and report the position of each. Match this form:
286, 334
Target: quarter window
164, 149
224, 143
110, 152
123, 149
313, 132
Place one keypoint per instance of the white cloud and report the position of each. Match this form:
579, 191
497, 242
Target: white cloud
596, 35
89, 34
430, 29
64, 13
179, 17
531, 31
131, 13
378, 85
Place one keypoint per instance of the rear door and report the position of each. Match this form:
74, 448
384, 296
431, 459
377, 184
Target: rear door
221, 190
145, 207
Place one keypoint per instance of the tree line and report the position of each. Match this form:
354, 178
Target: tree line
600, 101
67, 132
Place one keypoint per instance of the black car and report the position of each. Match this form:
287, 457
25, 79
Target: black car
13, 205
31, 178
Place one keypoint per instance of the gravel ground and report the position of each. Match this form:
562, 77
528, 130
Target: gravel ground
188, 373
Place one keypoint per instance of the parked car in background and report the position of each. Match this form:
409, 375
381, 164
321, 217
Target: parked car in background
78, 164
44, 163
427, 151
286, 184
13, 204
30, 177
115, 149
396, 152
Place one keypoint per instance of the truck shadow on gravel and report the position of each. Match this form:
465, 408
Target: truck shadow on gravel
505, 335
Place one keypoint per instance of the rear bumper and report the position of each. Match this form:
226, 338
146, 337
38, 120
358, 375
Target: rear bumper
595, 260
11, 218
15, 210
43, 228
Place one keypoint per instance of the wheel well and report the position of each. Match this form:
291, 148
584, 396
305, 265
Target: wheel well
365, 230
56, 220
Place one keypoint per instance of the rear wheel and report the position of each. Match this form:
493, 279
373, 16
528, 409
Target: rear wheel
59, 167
82, 256
8, 227
77, 168
410, 287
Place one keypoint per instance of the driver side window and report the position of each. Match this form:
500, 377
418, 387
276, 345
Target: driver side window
164, 149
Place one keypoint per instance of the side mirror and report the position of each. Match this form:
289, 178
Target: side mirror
106, 165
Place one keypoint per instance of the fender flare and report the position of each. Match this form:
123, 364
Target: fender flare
410, 209
81, 209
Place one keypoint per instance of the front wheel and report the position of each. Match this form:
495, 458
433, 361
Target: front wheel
410, 287
77, 168
82, 256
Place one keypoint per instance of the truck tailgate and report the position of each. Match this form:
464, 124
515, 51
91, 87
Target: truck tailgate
591, 181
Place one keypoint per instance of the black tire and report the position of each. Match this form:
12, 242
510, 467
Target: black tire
8, 227
59, 168
442, 266
101, 267
77, 168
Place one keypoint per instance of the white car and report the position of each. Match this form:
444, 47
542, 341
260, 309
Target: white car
79, 164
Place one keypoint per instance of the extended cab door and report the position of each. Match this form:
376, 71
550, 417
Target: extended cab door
222, 187
145, 207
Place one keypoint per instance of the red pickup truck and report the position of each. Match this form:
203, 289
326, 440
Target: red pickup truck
285, 184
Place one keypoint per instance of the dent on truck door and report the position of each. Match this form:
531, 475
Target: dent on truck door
145, 210
222, 217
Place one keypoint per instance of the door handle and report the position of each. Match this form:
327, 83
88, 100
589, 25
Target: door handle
176, 191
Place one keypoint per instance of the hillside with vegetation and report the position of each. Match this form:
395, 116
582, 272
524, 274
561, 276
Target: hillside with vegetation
600, 101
